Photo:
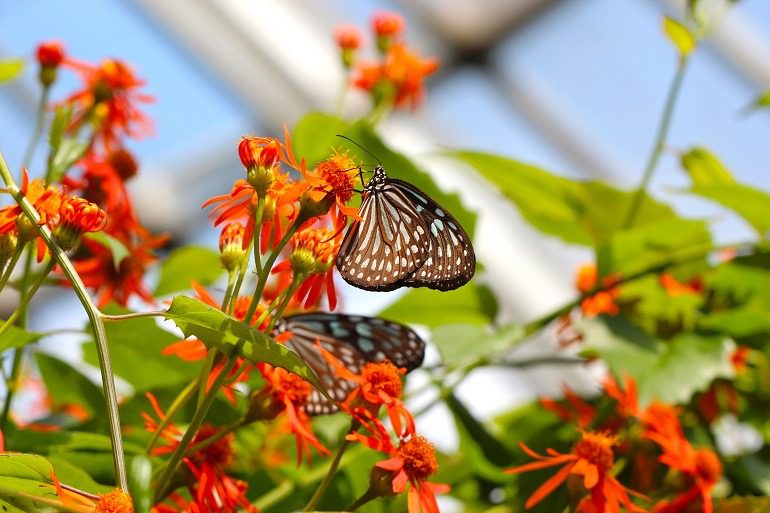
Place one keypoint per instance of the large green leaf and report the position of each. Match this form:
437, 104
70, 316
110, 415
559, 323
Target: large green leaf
671, 372
460, 343
750, 203
315, 138
10, 69
471, 304
135, 347
574, 211
75, 476
66, 385
644, 247
185, 265
16, 338
217, 329
705, 168
23, 477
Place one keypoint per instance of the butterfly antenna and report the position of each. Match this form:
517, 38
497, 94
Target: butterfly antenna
367, 151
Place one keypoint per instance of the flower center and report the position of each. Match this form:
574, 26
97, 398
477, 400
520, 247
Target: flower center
419, 458
383, 376
597, 449
218, 454
340, 173
117, 501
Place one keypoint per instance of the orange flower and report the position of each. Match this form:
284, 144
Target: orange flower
98, 270
628, 400
116, 501
411, 463
289, 392
740, 359
406, 71
336, 175
603, 301
591, 459
209, 486
77, 216
675, 288
348, 38
379, 384
581, 412
108, 98
387, 24
367, 75
312, 259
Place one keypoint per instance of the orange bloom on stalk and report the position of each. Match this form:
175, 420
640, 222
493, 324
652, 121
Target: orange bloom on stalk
387, 24
109, 97
379, 384
78, 215
116, 501
336, 175
591, 459
411, 463
289, 392
580, 412
209, 486
406, 71
603, 301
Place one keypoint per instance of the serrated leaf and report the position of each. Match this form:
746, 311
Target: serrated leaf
471, 304
218, 330
10, 69
69, 151
315, 138
66, 385
574, 211
185, 265
135, 346
671, 372
17, 338
679, 35
118, 250
705, 168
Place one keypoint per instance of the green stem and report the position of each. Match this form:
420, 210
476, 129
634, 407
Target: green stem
658, 146
11, 265
269, 266
221, 433
177, 405
100, 336
11, 386
134, 315
258, 235
319, 492
295, 283
28, 295
38, 129
368, 496
203, 377
200, 415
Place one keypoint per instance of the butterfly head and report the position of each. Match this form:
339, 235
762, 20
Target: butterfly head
379, 177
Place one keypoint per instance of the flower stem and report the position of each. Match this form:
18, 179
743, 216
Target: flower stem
258, 234
368, 496
11, 385
11, 265
658, 146
319, 492
38, 129
97, 324
28, 295
133, 315
200, 415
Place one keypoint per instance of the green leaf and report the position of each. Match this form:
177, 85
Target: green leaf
315, 138
471, 304
761, 101
742, 505
17, 338
671, 372
66, 386
69, 151
646, 246
679, 35
751, 204
185, 265
576, 212
22, 477
460, 343
491, 448
135, 347
26, 466
10, 69
75, 476
117, 248
217, 329
705, 168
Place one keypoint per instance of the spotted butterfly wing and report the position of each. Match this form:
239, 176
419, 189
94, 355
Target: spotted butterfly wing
354, 340
404, 238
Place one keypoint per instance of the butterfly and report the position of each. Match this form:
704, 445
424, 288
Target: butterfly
404, 239
352, 339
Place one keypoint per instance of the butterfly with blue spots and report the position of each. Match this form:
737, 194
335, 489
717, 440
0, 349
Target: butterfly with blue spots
352, 339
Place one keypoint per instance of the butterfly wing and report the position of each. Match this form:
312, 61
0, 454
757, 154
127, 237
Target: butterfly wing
354, 340
451, 261
387, 244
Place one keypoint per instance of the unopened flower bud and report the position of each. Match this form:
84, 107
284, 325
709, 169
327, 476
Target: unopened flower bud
381, 482
123, 162
77, 215
349, 40
232, 252
8, 244
49, 55
263, 406
260, 156
386, 26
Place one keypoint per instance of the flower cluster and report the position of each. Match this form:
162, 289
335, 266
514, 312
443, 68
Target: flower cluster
396, 76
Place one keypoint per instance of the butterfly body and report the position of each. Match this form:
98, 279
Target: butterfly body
404, 239
354, 340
